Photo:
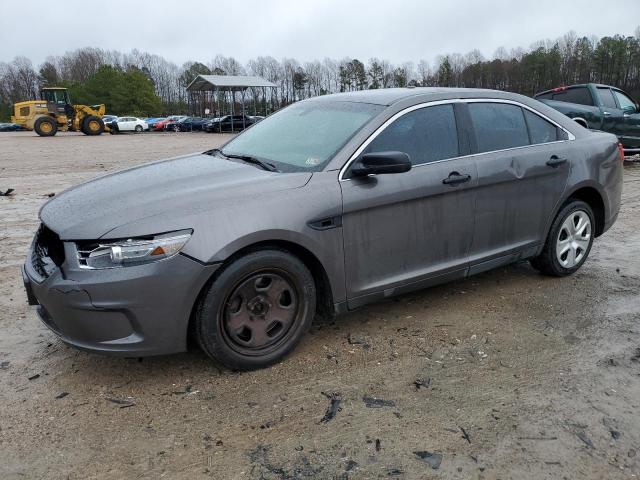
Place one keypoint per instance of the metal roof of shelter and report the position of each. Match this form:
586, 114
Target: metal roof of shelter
227, 82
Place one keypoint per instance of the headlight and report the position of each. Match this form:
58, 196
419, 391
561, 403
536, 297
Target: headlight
132, 251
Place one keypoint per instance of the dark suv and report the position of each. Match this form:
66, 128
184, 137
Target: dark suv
599, 107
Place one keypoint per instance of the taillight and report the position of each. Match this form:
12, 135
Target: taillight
621, 150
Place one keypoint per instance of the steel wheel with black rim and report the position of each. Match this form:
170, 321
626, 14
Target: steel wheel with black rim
569, 241
256, 310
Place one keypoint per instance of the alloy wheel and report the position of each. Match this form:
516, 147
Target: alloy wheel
573, 239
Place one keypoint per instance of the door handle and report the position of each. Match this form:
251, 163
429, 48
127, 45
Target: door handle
556, 161
606, 114
455, 178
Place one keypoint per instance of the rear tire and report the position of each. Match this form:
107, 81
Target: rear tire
92, 125
45, 126
569, 241
257, 310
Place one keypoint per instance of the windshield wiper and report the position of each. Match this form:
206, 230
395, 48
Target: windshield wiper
212, 151
270, 167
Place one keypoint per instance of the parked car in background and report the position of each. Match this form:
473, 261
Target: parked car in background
161, 124
229, 123
11, 127
189, 124
169, 123
256, 118
130, 124
152, 121
599, 107
326, 205
108, 118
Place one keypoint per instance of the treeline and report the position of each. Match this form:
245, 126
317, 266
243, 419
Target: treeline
147, 84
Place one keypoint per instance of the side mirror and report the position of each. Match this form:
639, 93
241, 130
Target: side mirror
381, 162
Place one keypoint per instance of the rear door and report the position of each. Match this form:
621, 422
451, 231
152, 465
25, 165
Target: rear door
402, 230
523, 164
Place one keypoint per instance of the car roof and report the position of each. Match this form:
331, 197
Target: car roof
389, 96
577, 85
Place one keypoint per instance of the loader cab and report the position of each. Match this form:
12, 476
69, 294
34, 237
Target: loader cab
57, 101
55, 95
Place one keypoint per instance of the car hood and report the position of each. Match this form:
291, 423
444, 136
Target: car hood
169, 188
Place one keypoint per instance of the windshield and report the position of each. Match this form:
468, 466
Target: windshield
303, 136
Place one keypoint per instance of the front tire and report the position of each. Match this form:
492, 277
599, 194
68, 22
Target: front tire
45, 126
92, 125
138, 128
257, 310
569, 241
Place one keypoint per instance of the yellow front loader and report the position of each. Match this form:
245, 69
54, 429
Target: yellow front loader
55, 113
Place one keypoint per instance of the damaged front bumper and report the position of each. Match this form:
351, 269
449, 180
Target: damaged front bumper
132, 311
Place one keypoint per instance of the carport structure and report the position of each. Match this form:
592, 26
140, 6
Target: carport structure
204, 93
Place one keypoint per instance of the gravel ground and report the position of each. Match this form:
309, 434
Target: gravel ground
505, 375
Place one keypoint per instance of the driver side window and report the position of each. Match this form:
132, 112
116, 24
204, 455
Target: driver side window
426, 135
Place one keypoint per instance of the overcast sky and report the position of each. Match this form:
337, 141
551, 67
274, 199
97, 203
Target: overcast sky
396, 30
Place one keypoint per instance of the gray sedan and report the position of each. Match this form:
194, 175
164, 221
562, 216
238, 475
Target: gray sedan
325, 206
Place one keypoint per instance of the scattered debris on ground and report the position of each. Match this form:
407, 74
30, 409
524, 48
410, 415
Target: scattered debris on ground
120, 402
372, 402
333, 408
433, 459
422, 383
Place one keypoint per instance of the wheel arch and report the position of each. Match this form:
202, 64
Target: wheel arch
580, 121
592, 197
591, 194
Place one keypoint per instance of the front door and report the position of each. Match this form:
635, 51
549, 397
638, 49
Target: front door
523, 164
612, 115
628, 126
405, 230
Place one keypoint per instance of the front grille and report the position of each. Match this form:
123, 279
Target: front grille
48, 250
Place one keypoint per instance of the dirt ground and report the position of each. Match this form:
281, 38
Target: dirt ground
505, 375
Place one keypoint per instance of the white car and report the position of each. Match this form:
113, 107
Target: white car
131, 124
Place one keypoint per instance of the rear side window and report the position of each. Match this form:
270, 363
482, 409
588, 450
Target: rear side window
498, 126
579, 95
540, 130
426, 135
606, 97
